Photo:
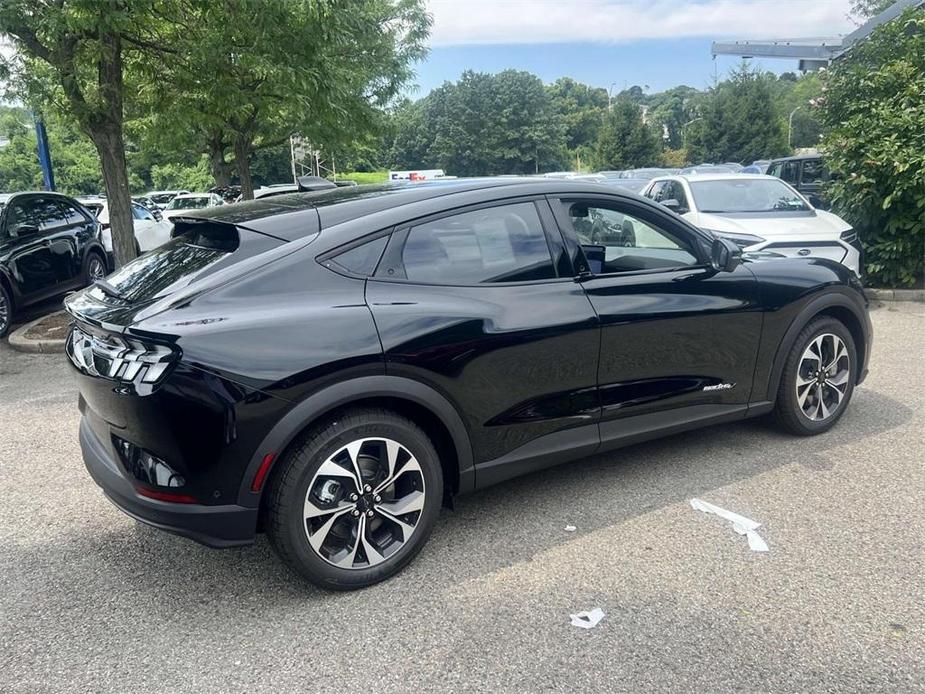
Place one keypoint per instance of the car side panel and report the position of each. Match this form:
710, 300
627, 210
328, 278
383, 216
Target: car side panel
518, 361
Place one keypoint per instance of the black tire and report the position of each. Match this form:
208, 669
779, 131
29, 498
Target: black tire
89, 267
285, 521
788, 412
6, 311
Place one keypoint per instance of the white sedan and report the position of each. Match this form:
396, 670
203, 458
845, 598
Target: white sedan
758, 213
187, 202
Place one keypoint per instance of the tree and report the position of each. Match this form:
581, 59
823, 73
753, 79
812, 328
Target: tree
873, 113
739, 121
254, 73
869, 8
624, 140
482, 125
72, 55
671, 110
581, 109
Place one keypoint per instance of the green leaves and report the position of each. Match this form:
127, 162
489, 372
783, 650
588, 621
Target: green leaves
874, 115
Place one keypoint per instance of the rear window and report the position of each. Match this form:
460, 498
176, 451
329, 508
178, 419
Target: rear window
162, 271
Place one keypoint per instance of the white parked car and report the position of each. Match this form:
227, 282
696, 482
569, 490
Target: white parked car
149, 232
758, 213
162, 198
187, 202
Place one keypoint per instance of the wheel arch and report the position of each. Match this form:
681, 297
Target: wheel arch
417, 401
836, 305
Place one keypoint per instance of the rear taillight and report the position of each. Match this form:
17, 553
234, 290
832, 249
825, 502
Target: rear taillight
128, 360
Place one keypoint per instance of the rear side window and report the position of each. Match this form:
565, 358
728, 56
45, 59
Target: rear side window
72, 215
495, 244
359, 260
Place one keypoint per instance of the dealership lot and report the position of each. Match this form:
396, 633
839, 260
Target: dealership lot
91, 601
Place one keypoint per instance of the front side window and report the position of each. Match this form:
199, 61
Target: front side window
495, 244
615, 241
813, 171
139, 212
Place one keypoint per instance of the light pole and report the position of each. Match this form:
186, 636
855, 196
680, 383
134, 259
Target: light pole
790, 127
610, 96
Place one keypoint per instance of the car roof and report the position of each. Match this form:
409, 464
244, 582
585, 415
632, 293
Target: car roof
717, 177
293, 215
797, 157
5, 197
183, 196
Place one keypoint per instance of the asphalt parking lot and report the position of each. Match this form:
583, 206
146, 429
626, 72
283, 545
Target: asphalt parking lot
92, 601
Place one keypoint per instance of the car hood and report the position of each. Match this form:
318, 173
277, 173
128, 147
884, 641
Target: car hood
806, 225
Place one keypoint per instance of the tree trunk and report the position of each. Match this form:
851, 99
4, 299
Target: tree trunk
106, 133
111, 149
242, 161
221, 169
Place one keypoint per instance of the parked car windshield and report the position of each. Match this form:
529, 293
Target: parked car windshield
745, 195
188, 203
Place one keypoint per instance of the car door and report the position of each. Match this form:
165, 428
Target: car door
35, 267
68, 234
480, 303
679, 340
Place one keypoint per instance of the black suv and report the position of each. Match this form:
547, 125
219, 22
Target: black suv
807, 173
49, 244
331, 367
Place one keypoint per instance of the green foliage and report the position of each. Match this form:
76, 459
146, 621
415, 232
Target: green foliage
581, 109
482, 125
624, 140
874, 114
671, 109
177, 176
869, 8
739, 121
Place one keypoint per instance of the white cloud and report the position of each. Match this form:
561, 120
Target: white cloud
465, 22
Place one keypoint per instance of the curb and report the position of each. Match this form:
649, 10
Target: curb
895, 294
21, 343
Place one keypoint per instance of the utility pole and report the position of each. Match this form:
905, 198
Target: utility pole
790, 127
48, 174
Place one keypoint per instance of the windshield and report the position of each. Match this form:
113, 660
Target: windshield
745, 195
188, 203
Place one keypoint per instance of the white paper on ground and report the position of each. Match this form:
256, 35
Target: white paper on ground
587, 620
741, 524
570, 528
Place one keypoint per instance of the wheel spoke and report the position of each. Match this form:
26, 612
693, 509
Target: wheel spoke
411, 465
407, 504
348, 561
317, 538
801, 397
839, 379
312, 510
840, 351
822, 406
406, 528
353, 450
331, 469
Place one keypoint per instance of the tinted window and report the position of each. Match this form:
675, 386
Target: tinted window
71, 214
36, 213
614, 241
790, 172
813, 171
188, 203
496, 244
361, 260
655, 192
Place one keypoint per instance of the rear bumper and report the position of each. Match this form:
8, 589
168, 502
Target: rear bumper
215, 526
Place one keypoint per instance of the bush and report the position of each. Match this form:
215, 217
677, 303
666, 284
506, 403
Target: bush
873, 112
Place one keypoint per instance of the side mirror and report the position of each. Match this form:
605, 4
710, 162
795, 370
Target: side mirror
725, 256
674, 206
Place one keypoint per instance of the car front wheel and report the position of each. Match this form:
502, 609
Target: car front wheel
6, 311
356, 500
818, 378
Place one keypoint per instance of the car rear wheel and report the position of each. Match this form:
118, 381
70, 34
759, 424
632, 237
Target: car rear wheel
818, 378
356, 500
6, 311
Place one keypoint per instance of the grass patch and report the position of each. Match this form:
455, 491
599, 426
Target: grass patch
364, 176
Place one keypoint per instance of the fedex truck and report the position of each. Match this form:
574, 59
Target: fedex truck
417, 175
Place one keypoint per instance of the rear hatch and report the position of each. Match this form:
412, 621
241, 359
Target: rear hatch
202, 254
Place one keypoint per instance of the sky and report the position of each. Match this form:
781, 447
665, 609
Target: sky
659, 43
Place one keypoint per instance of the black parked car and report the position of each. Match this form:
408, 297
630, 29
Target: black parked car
807, 173
331, 367
49, 244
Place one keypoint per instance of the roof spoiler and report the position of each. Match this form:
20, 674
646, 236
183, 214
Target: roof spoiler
310, 183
